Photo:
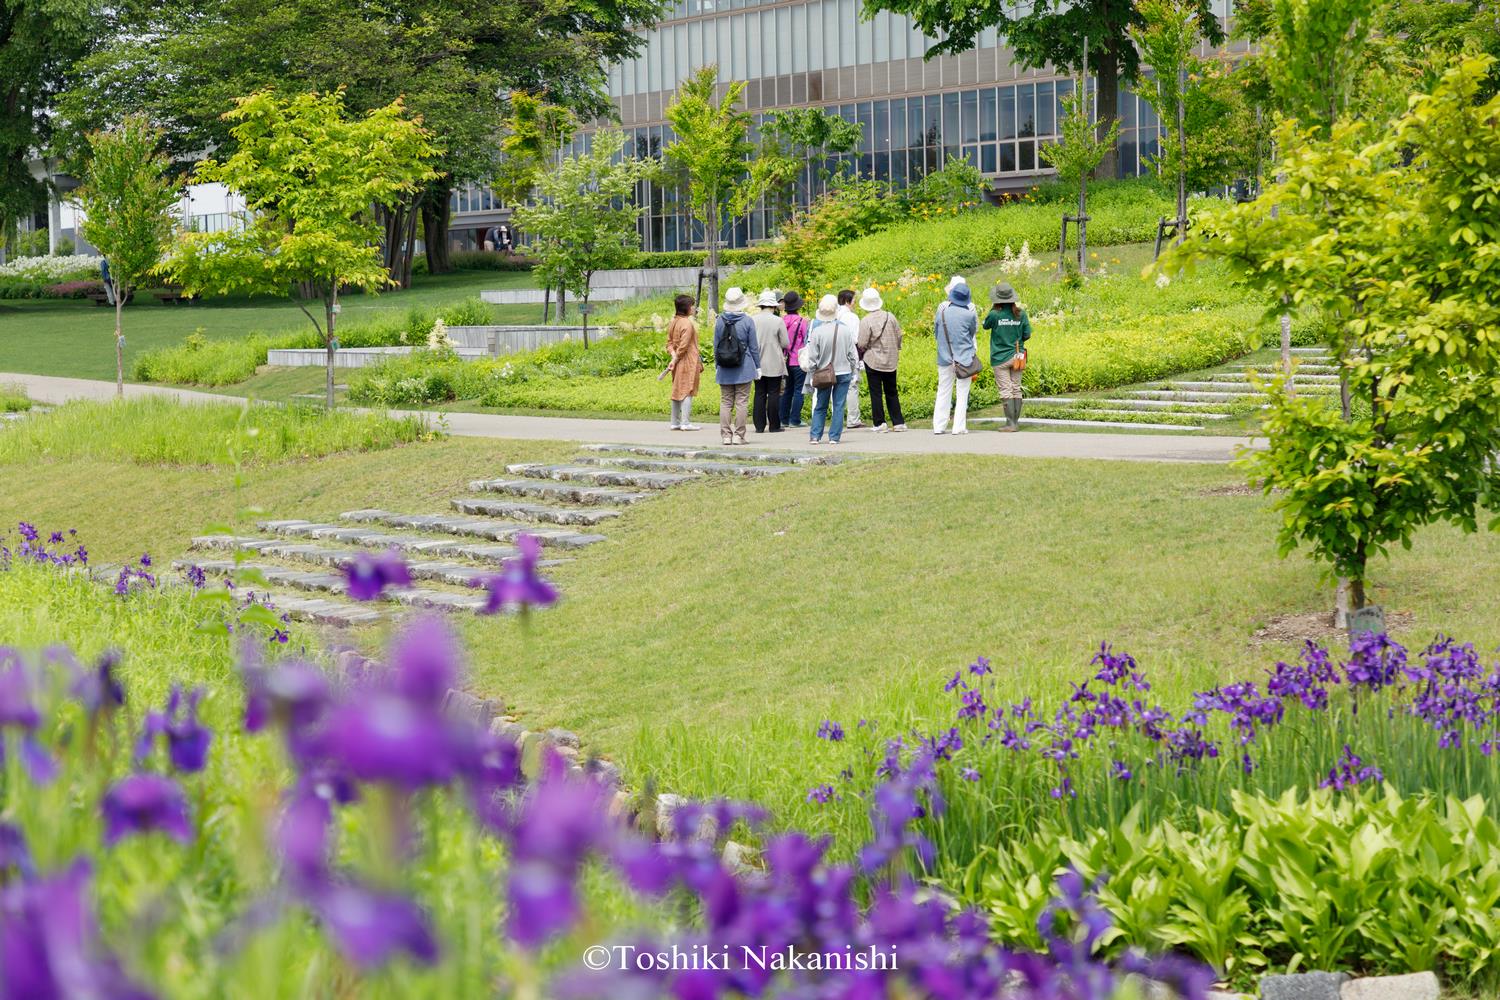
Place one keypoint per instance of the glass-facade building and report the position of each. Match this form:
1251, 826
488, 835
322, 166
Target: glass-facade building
916, 114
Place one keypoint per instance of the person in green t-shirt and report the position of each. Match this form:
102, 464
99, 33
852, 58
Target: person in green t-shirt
1009, 330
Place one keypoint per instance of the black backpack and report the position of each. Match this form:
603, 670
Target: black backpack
729, 352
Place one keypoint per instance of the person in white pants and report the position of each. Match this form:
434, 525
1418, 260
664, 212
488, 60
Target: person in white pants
955, 328
848, 318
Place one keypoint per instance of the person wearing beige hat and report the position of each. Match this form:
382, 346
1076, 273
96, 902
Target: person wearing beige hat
1009, 330
831, 362
765, 407
879, 345
736, 364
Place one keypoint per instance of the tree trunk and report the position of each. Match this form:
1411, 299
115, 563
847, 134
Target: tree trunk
1181, 156
1107, 104
562, 302
409, 242
330, 305
711, 233
1286, 347
584, 310
436, 213
546, 304
119, 342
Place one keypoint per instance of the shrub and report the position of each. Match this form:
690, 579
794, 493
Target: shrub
13, 399
853, 209
743, 256
21, 288
74, 289
959, 185
154, 431
488, 260
51, 269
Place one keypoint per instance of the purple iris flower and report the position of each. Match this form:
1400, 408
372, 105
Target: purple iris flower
518, 585
368, 575
187, 738
142, 803
304, 833
17, 707
426, 659
831, 731
821, 794
99, 690
28, 531
1351, 772
49, 940
543, 903
371, 926
294, 693
386, 738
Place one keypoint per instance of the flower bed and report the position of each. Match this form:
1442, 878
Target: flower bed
49, 270
198, 826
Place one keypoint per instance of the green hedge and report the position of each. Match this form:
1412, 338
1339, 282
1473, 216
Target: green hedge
697, 258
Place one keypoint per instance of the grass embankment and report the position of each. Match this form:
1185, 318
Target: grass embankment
75, 338
704, 641
156, 431
13, 399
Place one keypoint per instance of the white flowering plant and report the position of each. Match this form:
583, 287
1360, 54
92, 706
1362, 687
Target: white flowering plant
52, 268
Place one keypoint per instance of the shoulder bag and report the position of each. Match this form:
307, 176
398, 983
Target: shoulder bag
960, 369
1018, 362
824, 377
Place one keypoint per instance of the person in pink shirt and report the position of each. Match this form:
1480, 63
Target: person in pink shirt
796, 378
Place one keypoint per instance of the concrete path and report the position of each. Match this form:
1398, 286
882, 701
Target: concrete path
918, 441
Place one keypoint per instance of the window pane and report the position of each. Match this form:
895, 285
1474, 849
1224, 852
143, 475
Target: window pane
915, 129
882, 166
1007, 157
882, 29
932, 121
1007, 112
1028, 156
1025, 110
799, 39
987, 157
898, 123
987, 114
950, 129
1044, 106
969, 102
881, 140
864, 114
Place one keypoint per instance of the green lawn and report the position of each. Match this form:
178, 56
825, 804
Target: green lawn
74, 338
704, 641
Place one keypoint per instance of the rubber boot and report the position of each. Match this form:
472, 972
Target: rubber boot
1017, 418
1010, 415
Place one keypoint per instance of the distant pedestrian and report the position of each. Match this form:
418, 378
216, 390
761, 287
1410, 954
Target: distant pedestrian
1009, 330
955, 327
879, 346
771, 334
847, 317
736, 364
796, 337
685, 365
832, 361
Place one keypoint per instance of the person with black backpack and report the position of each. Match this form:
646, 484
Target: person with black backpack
736, 364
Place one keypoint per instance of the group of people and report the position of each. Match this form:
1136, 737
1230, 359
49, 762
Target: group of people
776, 355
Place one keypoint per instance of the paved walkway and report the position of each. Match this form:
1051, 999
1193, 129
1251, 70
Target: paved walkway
918, 441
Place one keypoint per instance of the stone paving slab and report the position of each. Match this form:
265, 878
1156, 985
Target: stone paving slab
689, 466
629, 478
369, 538
732, 454
535, 512
1244, 388
478, 527
1132, 404
458, 574
334, 583
1302, 375
1061, 422
546, 489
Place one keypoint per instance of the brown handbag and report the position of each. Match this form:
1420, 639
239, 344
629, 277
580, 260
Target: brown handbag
1018, 363
823, 378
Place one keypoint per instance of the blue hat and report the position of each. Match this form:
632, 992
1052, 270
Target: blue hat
959, 294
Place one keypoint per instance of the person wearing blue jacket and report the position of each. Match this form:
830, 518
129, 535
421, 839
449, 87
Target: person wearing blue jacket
736, 364
955, 327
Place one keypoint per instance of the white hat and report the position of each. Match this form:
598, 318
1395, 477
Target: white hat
869, 300
735, 300
828, 307
767, 299
955, 281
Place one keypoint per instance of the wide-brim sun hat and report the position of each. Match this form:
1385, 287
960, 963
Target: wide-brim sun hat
869, 300
959, 294
735, 300
955, 281
1002, 294
828, 307
793, 301
767, 299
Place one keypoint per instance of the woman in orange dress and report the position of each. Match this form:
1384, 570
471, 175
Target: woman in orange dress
686, 364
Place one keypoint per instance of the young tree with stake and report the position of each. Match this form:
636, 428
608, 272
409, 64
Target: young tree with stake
1077, 153
308, 175
585, 219
130, 212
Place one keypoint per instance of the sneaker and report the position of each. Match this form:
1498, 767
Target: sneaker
882, 428
964, 431
814, 440
833, 440
673, 427
726, 442
690, 427
899, 428
853, 424
936, 431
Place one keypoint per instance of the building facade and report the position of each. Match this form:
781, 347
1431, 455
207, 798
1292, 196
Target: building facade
916, 114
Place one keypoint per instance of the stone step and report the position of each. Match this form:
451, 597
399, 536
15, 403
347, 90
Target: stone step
1187, 407
543, 489
301, 607
1060, 422
733, 454
415, 597
1301, 377
1238, 388
457, 574
1192, 395
688, 467
535, 513
1309, 350
1300, 366
369, 538
481, 527
596, 476
1087, 412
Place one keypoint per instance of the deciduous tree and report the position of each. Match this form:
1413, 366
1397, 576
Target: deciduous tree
308, 174
129, 204
1078, 151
